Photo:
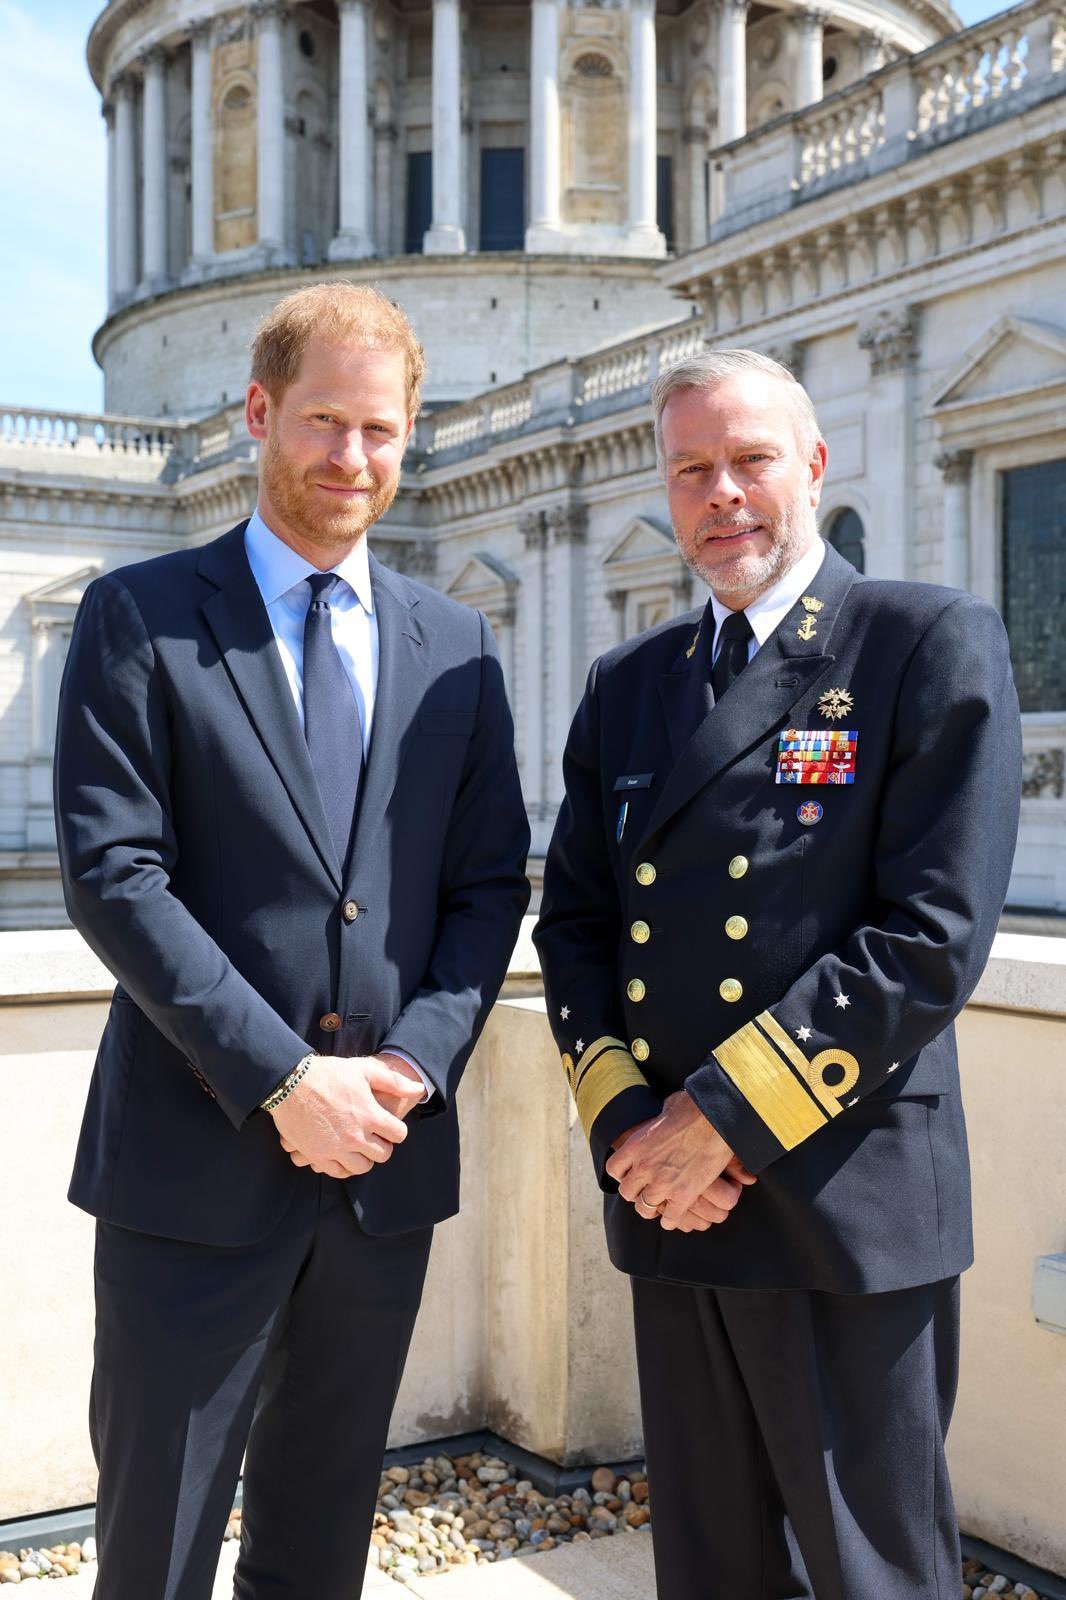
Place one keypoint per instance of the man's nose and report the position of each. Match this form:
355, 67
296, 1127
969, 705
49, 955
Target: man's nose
724, 491
349, 452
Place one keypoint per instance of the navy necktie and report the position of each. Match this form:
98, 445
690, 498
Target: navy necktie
331, 717
732, 656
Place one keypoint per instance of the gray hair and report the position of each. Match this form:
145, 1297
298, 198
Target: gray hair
711, 367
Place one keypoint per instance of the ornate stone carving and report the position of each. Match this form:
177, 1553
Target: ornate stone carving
567, 522
956, 465
1043, 774
531, 527
789, 352
890, 334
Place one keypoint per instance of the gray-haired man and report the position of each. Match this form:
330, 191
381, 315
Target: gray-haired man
786, 840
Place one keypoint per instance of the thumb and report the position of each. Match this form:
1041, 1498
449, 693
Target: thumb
384, 1079
739, 1172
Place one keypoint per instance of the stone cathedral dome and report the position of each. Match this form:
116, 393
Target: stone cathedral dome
509, 171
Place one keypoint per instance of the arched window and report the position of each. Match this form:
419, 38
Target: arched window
847, 535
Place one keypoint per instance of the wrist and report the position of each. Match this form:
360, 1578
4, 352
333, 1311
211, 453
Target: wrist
288, 1085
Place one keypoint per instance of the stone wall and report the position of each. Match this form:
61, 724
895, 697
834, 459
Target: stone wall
525, 1325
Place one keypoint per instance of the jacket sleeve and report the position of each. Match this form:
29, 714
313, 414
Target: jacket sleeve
483, 893
117, 851
577, 938
938, 878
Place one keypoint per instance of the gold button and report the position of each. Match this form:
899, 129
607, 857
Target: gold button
640, 1049
646, 873
635, 989
640, 933
350, 910
737, 927
731, 989
330, 1022
738, 866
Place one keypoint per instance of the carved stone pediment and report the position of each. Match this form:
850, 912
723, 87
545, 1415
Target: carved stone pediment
484, 581
643, 541
57, 601
1016, 356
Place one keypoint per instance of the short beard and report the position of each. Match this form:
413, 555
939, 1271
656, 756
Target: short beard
790, 536
290, 495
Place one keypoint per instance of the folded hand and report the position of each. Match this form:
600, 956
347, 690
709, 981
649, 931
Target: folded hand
340, 1120
678, 1168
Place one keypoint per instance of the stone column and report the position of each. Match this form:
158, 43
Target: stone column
809, 27
567, 529
445, 236
545, 198
533, 615
643, 228
890, 335
354, 237
203, 147
732, 70
108, 112
957, 469
125, 189
695, 141
270, 127
154, 172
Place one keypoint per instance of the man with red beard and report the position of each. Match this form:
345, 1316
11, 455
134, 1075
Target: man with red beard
774, 882
290, 823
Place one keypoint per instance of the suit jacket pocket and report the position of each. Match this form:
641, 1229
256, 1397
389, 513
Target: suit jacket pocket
457, 723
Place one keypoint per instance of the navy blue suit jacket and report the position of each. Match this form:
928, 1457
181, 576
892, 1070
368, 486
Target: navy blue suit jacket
800, 981
197, 862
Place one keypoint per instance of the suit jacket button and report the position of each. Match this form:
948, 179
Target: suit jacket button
738, 866
330, 1022
736, 927
640, 1049
646, 874
731, 989
350, 910
636, 989
640, 933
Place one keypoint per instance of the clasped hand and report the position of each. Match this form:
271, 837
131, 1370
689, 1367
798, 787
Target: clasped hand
347, 1113
678, 1168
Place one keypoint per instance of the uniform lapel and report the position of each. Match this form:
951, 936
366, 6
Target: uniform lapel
779, 674
237, 617
403, 677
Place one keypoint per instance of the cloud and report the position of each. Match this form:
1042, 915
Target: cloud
53, 200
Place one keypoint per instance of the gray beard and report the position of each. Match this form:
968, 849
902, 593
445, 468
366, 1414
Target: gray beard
755, 574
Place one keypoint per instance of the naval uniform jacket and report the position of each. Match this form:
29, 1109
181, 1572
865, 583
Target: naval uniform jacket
198, 863
800, 980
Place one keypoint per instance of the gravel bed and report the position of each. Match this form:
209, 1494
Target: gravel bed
471, 1511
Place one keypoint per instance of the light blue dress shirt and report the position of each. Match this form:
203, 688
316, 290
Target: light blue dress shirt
280, 574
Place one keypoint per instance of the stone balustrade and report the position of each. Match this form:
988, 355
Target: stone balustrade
83, 433
993, 70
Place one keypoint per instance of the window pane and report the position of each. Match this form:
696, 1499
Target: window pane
846, 535
503, 199
664, 176
1034, 582
419, 200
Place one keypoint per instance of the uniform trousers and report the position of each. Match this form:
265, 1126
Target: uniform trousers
795, 1441
295, 1346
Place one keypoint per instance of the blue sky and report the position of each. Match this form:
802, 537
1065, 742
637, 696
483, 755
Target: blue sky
52, 202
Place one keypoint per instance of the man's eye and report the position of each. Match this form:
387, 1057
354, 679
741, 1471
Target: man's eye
324, 416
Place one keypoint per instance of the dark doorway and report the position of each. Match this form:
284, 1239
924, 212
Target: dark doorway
503, 199
419, 200
664, 197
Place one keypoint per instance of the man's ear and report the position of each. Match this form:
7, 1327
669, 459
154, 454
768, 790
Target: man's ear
256, 410
819, 463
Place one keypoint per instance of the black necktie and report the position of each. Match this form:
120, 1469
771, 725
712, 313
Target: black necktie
732, 657
331, 717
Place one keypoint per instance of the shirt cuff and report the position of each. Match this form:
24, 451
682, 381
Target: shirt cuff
392, 1051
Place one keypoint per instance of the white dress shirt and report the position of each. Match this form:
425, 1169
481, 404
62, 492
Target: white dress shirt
281, 574
773, 607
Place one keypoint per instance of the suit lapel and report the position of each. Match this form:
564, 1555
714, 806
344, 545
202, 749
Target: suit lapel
403, 677
237, 617
778, 675
685, 691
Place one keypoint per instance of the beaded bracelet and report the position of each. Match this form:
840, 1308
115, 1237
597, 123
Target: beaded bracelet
287, 1085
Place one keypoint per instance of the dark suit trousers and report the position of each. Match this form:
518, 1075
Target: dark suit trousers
294, 1346
795, 1441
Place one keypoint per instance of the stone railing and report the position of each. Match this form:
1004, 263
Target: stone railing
82, 433
559, 393
995, 69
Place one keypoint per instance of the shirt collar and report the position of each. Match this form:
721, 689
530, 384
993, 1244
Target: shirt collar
771, 608
277, 567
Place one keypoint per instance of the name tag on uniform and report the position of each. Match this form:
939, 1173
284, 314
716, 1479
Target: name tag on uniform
633, 780
816, 755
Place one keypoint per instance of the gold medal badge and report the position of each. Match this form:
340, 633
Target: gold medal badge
835, 704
